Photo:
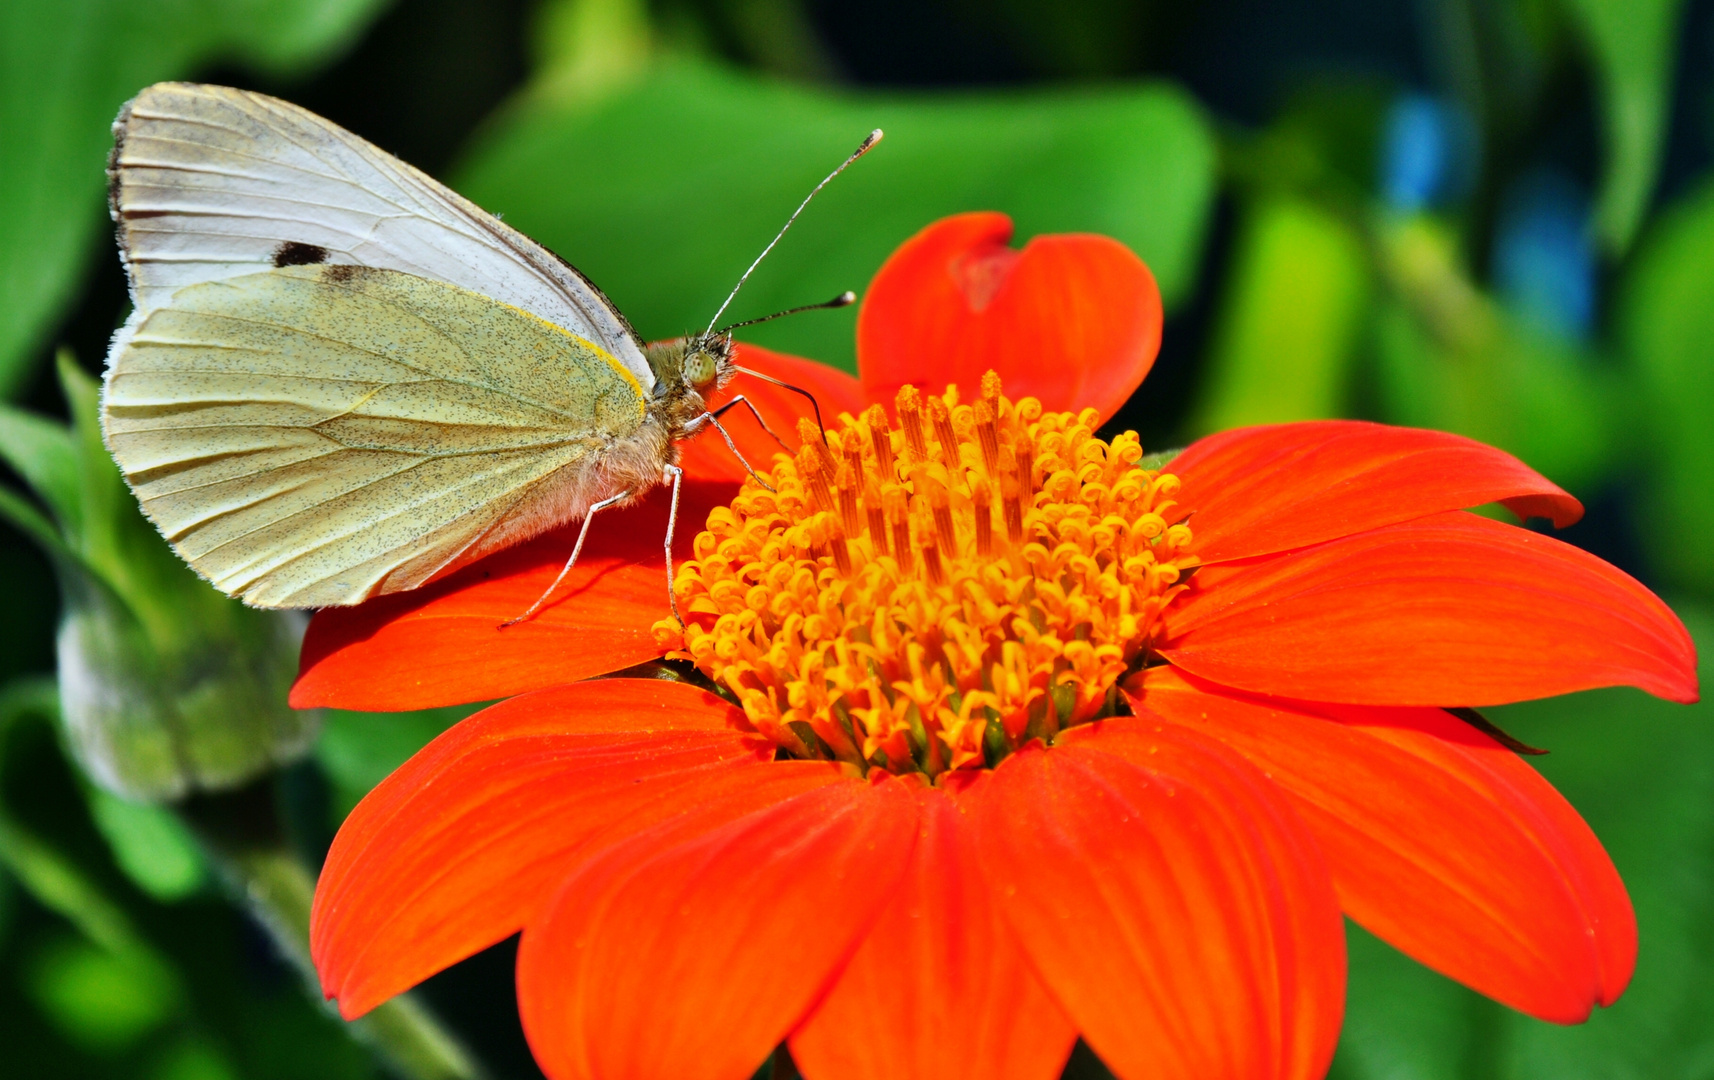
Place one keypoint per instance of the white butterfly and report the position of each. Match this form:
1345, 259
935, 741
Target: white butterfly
343, 379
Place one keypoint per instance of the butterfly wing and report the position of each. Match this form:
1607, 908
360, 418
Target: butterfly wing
316, 435
208, 182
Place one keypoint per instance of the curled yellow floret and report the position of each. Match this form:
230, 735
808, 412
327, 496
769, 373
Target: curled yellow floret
933, 591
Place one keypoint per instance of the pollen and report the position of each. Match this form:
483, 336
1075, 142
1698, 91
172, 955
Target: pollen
932, 591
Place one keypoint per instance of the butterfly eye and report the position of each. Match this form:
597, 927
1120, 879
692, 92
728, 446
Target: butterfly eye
699, 369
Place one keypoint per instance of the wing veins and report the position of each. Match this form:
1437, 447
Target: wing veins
356, 526
565, 439
272, 495
140, 161
407, 365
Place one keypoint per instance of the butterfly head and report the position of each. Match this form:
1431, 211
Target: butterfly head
688, 371
707, 363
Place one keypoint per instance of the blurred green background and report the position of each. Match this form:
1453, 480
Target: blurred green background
1490, 216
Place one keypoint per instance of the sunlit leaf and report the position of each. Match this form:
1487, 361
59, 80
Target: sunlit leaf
103, 1000
1289, 323
664, 192
1448, 357
44, 455
1666, 322
1633, 43
150, 844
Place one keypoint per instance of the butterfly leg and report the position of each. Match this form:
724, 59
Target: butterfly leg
576, 550
761, 423
709, 418
675, 474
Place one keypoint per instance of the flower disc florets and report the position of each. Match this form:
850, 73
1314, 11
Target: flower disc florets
932, 593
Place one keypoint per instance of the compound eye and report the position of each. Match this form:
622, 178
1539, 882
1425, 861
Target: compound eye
699, 369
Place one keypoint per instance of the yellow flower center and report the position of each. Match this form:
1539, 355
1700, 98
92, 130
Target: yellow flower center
933, 593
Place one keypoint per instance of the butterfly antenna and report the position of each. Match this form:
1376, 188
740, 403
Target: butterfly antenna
844, 299
867, 145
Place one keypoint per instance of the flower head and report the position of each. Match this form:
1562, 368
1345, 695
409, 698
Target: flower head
915, 599
1010, 737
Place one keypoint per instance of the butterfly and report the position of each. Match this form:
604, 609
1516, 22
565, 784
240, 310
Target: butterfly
342, 379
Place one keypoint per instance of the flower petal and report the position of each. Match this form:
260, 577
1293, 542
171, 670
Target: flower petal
678, 954
1450, 609
1258, 490
1180, 913
1440, 841
1074, 320
939, 989
443, 644
465, 841
707, 457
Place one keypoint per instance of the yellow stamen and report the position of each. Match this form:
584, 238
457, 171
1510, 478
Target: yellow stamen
941, 415
812, 464
908, 406
880, 617
876, 418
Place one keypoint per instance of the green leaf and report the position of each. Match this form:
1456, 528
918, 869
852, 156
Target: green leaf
150, 844
1528, 394
1289, 324
100, 999
52, 879
22, 515
1448, 357
1641, 771
65, 68
106, 509
1665, 316
193, 1058
1633, 43
1402, 1021
43, 454
663, 192
285, 38
58, 885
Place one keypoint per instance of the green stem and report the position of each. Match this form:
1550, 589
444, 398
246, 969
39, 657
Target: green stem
246, 841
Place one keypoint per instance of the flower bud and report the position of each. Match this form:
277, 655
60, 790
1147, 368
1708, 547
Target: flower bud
166, 686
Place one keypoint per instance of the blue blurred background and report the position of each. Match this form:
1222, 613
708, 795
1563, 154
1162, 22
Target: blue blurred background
1490, 216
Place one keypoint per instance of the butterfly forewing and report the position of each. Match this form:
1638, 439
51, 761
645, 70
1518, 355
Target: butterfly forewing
210, 183
314, 435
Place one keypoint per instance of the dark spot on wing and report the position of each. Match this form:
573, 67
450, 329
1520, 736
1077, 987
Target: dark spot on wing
339, 273
294, 253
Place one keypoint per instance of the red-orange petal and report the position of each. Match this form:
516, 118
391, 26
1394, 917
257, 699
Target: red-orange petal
1258, 490
1074, 320
468, 839
1179, 912
676, 955
1450, 609
443, 644
706, 456
939, 990
1440, 841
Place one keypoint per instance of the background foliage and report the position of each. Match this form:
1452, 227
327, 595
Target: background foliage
1490, 216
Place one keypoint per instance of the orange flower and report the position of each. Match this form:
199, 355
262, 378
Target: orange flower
1030, 740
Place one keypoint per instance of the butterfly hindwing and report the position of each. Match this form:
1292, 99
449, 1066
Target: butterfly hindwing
317, 434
